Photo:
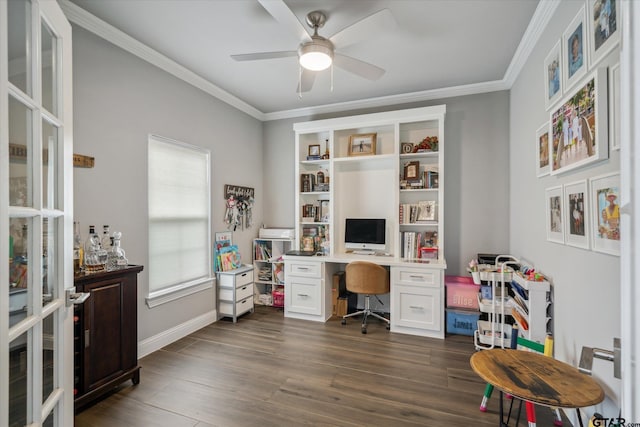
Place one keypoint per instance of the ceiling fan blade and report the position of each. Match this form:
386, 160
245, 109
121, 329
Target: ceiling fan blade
306, 80
364, 29
281, 12
360, 68
264, 55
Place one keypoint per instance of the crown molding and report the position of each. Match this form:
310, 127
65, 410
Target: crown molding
91, 23
541, 17
404, 98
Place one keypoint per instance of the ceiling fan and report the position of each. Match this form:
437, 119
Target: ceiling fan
317, 53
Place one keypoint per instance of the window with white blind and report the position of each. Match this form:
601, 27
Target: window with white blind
179, 220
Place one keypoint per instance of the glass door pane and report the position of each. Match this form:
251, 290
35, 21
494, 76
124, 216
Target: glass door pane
19, 357
20, 154
49, 260
48, 359
19, 278
48, 70
19, 40
49, 162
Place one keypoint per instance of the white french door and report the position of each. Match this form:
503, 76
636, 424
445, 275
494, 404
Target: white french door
36, 218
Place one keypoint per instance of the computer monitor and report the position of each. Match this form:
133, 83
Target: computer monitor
365, 234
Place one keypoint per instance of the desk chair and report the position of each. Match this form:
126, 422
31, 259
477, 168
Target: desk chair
363, 277
547, 350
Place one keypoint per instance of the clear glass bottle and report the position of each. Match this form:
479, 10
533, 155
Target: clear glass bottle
94, 256
105, 241
116, 258
78, 251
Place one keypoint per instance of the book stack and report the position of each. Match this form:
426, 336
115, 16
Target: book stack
419, 245
262, 252
310, 213
307, 182
418, 213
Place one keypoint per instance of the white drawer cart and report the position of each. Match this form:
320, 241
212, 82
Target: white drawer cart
235, 292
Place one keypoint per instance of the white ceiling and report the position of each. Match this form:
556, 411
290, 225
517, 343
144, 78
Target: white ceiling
435, 44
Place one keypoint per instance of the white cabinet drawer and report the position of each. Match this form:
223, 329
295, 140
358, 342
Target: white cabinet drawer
304, 296
226, 308
416, 307
304, 269
416, 276
240, 279
226, 294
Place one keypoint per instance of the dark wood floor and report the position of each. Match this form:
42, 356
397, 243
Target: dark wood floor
270, 371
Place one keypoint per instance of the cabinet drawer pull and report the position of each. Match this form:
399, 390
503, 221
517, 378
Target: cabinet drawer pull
244, 274
413, 276
87, 335
303, 295
416, 307
302, 268
243, 288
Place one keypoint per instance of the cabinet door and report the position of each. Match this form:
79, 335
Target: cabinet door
416, 307
304, 295
110, 331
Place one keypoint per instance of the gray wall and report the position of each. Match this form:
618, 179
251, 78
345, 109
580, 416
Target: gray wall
118, 100
586, 283
476, 173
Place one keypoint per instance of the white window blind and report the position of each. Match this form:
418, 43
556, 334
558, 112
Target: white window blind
179, 220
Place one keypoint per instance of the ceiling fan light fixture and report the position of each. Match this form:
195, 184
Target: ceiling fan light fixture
316, 55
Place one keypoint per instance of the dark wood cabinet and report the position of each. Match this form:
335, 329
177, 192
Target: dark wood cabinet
106, 333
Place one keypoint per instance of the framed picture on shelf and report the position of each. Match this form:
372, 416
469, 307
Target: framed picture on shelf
314, 150
576, 214
324, 211
574, 42
614, 107
362, 144
412, 171
426, 210
553, 215
579, 128
553, 76
542, 150
406, 147
603, 29
605, 193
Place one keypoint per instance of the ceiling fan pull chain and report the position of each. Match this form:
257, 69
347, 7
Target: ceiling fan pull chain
300, 82
331, 76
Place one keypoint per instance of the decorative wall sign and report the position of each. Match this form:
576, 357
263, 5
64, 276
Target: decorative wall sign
238, 191
238, 211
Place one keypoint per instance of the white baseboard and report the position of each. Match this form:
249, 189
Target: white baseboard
156, 342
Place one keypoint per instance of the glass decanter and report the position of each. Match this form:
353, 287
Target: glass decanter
116, 258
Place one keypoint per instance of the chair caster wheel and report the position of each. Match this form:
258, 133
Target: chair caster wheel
344, 321
364, 330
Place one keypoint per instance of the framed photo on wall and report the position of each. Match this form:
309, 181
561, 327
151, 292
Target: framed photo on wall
579, 128
605, 193
553, 214
553, 76
574, 50
542, 150
576, 214
604, 30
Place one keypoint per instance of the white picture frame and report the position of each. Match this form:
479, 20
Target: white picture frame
553, 75
543, 150
604, 21
554, 210
581, 138
576, 214
614, 107
605, 196
426, 210
575, 51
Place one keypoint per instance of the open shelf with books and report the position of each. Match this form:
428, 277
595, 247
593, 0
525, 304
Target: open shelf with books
268, 267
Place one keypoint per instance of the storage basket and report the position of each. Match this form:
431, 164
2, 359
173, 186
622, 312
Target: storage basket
278, 297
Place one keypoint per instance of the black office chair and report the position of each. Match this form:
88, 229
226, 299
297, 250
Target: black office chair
363, 277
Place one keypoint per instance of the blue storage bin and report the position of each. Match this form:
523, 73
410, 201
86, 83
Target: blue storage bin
462, 322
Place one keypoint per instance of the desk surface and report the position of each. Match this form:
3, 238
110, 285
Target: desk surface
537, 378
377, 259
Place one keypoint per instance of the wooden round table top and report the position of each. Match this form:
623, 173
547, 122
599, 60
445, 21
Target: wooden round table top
537, 378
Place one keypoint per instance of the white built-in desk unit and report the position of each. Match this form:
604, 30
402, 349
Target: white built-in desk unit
364, 167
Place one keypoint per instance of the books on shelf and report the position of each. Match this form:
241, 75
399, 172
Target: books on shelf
262, 251
227, 258
417, 213
419, 245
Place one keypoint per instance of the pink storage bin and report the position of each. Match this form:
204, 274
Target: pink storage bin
461, 292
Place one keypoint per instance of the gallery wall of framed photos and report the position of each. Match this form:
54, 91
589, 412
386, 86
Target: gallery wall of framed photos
581, 98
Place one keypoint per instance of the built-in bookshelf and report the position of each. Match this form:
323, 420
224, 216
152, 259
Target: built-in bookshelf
394, 172
269, 268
